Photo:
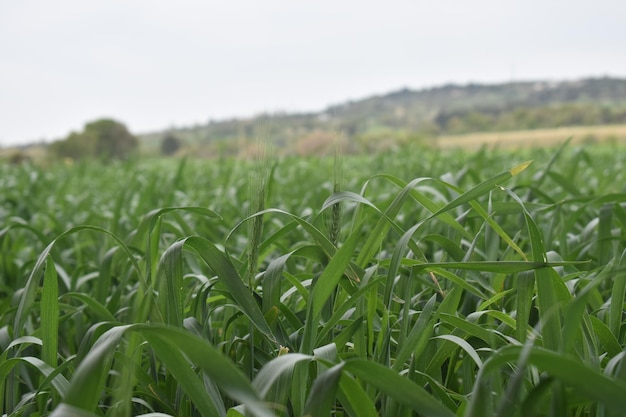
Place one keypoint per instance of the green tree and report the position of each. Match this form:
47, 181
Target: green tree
77, 145
170, 144
113, 140
104, 138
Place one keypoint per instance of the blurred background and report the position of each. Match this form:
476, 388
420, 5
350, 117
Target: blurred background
210, 76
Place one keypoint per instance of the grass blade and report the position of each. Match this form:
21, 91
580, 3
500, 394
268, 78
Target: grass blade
395, 386
323, 392
229, 276
50, 314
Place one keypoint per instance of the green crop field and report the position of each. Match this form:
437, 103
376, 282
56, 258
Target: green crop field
409, 283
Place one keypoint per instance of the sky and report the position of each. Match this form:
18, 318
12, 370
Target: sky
155, 64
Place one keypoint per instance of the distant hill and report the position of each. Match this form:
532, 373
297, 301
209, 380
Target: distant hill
408, 114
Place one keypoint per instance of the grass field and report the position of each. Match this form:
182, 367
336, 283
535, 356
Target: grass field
411, 283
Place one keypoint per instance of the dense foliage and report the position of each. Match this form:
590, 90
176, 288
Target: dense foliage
399, 284
170, 144
104, 139
526, 118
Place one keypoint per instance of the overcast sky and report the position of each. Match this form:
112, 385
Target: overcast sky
155, 64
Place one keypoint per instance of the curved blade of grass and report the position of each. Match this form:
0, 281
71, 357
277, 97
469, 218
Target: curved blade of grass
324, 287
375, 238
178, 366
482, 188
228, 275
497, 228
415, 341
274, 273
575, 311
150, 219
547, 300
354, 398
605, 336
453, 250
169, 344
103, 283
320, 238
272, 280
466, 197
340, 310
347, 334
450, 306
323, 392
30, 290
395, 386
88, 380
19, 223
472, 329
425, 201
570, 371
101, 312
216, 365
327, 282
499, 296
372, 244
460, 282
543, 174
151, 224
565, 183
171, 286
616, 366
510, 397
274, 369
498, 315
32, 284
463, 345
504, 267
59, 382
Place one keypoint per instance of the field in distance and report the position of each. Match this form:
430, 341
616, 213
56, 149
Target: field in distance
535, 138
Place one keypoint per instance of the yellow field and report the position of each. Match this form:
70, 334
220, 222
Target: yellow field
35, 153
539, 137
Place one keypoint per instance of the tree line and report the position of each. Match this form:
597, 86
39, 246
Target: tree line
525, 118
105, 139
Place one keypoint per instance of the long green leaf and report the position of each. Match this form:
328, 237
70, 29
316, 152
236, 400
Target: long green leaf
547, 300
228, 275
50, 314
395, 386
169, 343
323, 392
588, 382
324, 287
30, 289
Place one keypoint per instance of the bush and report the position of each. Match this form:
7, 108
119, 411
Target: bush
170, 144
104, 138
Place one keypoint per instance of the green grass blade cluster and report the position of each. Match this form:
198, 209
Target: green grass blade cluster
417, 284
